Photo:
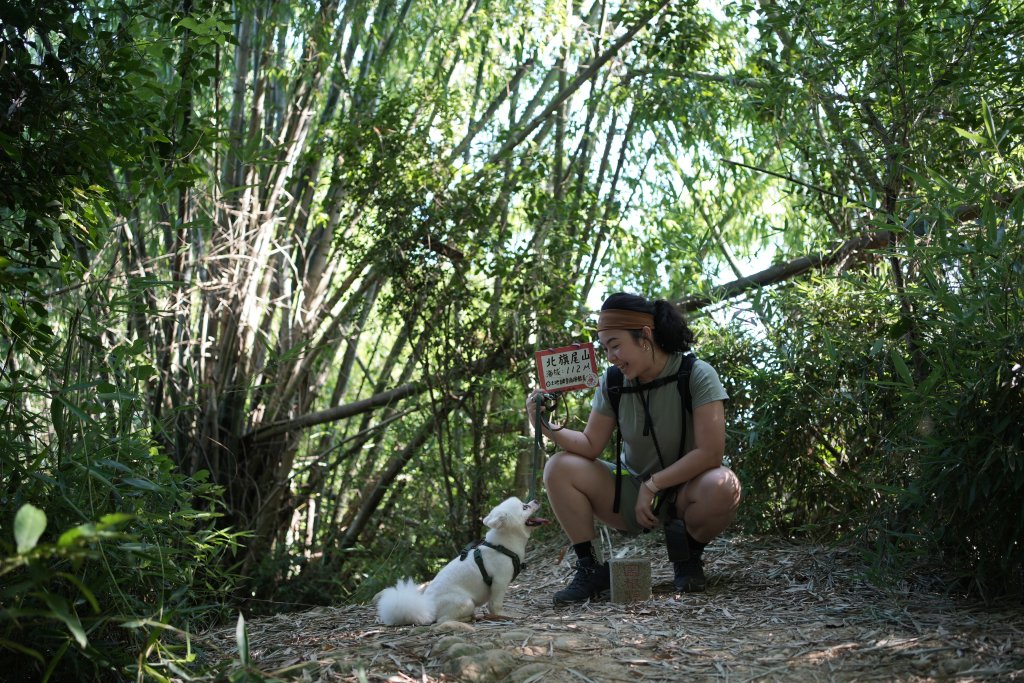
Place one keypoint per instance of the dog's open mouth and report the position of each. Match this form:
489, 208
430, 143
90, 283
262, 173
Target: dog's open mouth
536, 521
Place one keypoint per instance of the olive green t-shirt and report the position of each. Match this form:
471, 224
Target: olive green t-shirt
639, 455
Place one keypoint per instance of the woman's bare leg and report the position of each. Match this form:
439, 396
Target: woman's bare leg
580, 489
708, 503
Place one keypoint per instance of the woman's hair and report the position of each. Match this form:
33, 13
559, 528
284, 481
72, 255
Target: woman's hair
671, 332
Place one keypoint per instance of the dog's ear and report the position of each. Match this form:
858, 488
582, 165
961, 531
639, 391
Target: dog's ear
496, 519
501, 515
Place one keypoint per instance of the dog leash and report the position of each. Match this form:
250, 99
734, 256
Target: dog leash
544, 401
538, 441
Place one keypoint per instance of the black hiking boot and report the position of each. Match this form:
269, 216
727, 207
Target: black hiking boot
684, 553
591, 579
690, 575
676, 541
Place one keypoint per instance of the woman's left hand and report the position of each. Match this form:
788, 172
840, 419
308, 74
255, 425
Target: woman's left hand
644, 511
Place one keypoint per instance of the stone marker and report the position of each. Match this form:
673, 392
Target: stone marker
631, 579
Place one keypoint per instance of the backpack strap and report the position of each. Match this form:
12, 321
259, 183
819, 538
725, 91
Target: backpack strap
683, 385
613, 382
683, 382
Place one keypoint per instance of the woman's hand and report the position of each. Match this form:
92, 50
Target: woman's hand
644, 511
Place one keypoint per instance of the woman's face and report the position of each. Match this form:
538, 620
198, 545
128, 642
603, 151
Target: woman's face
625, 352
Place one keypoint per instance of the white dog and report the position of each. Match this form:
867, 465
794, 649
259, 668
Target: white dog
479, 575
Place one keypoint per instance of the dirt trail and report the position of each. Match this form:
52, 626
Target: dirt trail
773, 611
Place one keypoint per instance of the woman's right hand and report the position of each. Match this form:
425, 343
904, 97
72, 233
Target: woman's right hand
644, 510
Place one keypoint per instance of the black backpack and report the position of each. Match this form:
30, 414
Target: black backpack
613, 382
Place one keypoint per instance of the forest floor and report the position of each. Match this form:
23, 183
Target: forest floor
773, 611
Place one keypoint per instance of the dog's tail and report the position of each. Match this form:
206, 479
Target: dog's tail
405, 604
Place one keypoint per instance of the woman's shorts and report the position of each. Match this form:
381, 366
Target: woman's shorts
627, 505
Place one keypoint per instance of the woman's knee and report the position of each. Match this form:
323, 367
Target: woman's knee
726, 487
719, 487
577, 471
557, 463
724, 479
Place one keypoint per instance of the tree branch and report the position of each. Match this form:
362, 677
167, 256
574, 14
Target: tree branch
518, 136
793, 180
337, 412
1003, 200
785, 271
738, 79
480, 366
374, 494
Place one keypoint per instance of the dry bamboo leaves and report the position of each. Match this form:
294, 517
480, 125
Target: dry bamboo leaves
773, 611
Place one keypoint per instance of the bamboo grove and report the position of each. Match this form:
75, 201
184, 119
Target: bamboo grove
273, 275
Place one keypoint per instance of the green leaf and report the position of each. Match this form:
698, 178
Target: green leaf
143, 484
117, 396
83, 589
59, 606
157, 625
75, 410
154, 674
189, 23
73, 534
29, 525
243, 640
901, 368
55, 660
115, 519
974, 137
92, 472
11, 645
114, 465
990, 126
141, 372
